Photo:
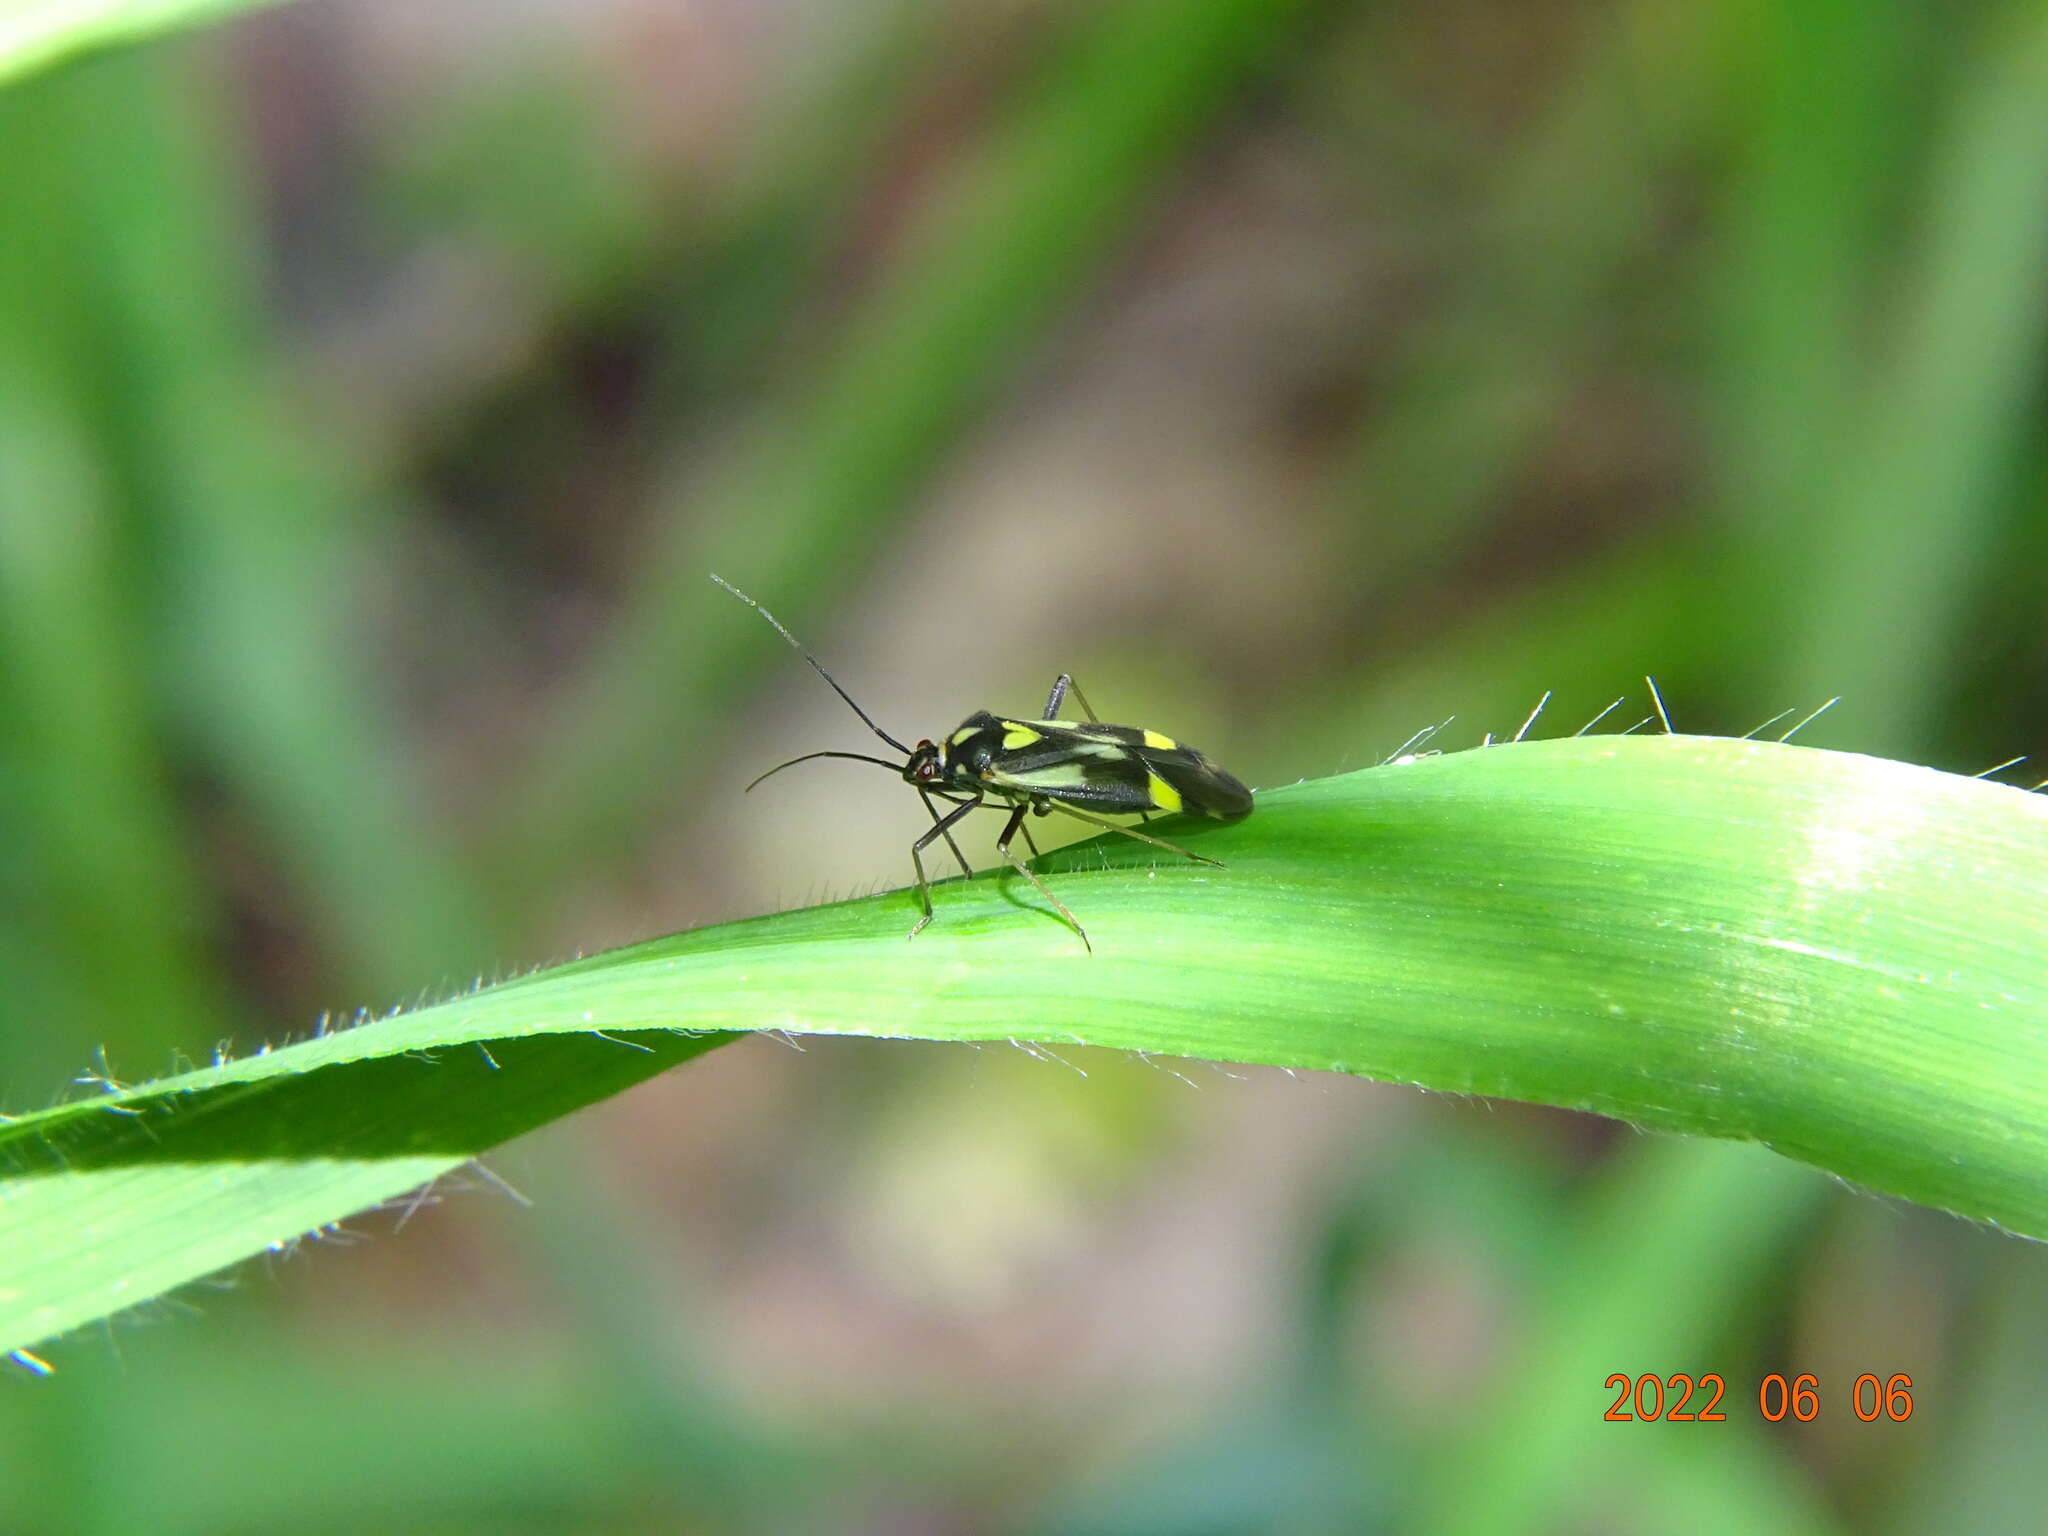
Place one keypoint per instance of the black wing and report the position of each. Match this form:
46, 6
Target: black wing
1117, 769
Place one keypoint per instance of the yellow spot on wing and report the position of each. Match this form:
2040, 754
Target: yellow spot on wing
1160, 743
1164, 795
1015, 736
964, 735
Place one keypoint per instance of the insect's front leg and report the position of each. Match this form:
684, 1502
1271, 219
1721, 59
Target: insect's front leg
943, 828
1003, 847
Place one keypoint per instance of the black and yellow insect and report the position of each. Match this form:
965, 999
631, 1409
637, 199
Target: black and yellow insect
1036, 767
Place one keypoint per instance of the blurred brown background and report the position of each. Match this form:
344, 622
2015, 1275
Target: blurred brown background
379, 381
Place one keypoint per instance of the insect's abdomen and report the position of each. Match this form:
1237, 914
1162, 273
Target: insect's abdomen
1186, 781
1175, 778
1197, 786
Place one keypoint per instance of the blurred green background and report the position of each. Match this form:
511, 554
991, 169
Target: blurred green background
379, 381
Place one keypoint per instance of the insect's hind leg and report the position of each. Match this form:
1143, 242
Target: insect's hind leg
1156, 842
942, 828
1058, 696
1003, 847
1052, 710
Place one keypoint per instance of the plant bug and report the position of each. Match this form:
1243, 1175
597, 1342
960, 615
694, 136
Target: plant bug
1036, 767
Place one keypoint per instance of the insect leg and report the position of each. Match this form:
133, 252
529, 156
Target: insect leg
939, 830
1156, 842
1040, 806
1059, 692
1052, 709
943, 826
1003, 847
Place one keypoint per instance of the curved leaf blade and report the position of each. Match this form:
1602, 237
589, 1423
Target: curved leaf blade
1843, 958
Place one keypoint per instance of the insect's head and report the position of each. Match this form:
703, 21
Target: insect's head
925, 766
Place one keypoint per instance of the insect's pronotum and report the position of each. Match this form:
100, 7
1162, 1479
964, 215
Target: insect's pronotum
1036, 767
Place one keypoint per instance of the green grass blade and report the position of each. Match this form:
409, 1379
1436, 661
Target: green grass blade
95, 843
1906, 532
1836, 956
35, 34
1663, 1265
256, 528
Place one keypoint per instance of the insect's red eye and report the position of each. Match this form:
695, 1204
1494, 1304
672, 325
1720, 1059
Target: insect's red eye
927, 769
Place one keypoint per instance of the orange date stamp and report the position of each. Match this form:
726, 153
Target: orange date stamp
1682, 1399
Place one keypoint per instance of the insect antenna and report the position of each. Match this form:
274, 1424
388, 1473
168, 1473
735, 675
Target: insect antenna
858, 757
807, 656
